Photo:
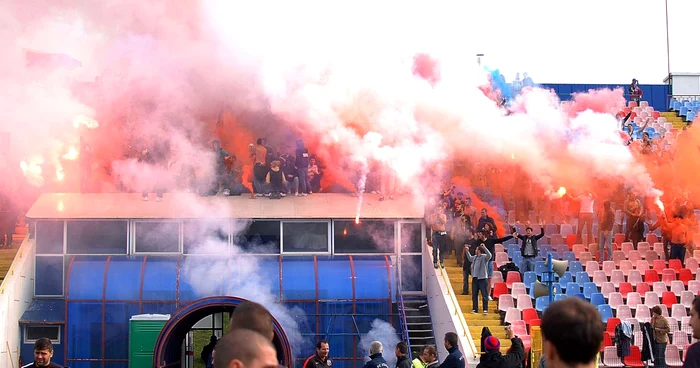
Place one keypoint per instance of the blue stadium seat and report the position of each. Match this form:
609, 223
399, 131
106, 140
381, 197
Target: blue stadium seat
605, 312
572, 288
541, 303
569, 256
589, 288
517, 258
683, 111
582, 278
597, 299
529, 278
565, 279
540, 267
544, 249
575, 267
691, 116
560, 297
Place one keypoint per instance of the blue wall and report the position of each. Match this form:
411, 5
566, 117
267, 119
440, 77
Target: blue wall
104, 292
656, 94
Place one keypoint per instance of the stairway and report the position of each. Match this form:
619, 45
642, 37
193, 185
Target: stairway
674, 119
418, 324
475, 322
7, 256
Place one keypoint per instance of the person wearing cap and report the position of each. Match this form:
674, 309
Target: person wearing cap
494, 359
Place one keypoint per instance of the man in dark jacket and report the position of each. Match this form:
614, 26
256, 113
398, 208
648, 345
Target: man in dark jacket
402, 360
207, 350
493, 357
528, 248
486, 219
455, 359
320, 359
375, 355
43, 352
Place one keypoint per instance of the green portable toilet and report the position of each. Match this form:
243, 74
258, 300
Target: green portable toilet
143, 333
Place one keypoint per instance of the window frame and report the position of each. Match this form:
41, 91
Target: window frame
64, 246
329, 238
229, 242
132, 236
400, 255
262, 254
63, 277
396, 239
127, 245
25, 340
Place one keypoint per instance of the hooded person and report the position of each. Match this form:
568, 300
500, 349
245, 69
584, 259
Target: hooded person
493, 357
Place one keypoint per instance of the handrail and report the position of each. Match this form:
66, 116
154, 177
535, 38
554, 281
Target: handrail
458, 310
403, 324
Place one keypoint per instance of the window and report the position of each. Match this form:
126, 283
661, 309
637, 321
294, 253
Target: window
369, 236
411, 273
411, 237
96, 237
260, 237
198, 233
48, 276
35, 332
300, 237
157, 237
49, 237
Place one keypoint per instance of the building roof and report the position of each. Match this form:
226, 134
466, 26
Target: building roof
186, 205
45, 311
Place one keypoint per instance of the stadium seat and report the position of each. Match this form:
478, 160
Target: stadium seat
673, 356
541, 303
606, 288
634, 277
668, 275
642, 314
605, 312
610, 358
624, 312
634, 299
641, 265
635, 358
575, 267
651, 299
589, 288
625, 288
529, 278
524, 302
677, 287
626, 247
512, 314
651, 276
675, 264
657, 265
692, 265
518, 289
505, 301
652, 238
582, 278
680, 339
626, 266
634, 256
499, 288
652, 256
608, 267
618, 256
678, 311
668, 298
599, 277
512, 277
659, 287
687, 298
529, 315
617, 277
642, 288
615, 300
565, 279
586, 257
572, 288
592, 266
684, 275
597, 299
694, 287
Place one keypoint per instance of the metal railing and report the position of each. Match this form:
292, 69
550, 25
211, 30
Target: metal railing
685, 97
458, 311
403, 323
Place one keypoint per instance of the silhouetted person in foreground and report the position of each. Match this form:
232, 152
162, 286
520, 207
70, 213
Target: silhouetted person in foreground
206, 354
572, 334
244, 348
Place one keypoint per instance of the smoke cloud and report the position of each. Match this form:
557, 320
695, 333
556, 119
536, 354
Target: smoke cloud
385, 333
221, 270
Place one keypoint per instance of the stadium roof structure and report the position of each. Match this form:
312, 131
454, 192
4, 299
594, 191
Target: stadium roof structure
188, 206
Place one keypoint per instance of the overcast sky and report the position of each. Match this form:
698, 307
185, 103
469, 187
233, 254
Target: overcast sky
594, 41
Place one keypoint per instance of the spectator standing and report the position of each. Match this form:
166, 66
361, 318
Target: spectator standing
320, 359
606, 230
438, 225
585, 215
479, 273
528, 248
43, 352
427, 358
375, 355
244, 348
635, 224
302, 164
260, 169
402, 360
635, 92
486, 219
454, 359
314, 176
659, 324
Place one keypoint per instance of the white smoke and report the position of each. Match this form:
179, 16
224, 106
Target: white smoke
385, 333
231, 272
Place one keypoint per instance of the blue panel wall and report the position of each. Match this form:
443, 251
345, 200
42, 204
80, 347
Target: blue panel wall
655, 94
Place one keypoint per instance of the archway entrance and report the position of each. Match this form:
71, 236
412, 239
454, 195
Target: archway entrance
168, 348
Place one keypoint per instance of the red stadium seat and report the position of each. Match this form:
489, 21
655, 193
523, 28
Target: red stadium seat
685, 275
635, 357
498, 289
668, 298
651, 276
